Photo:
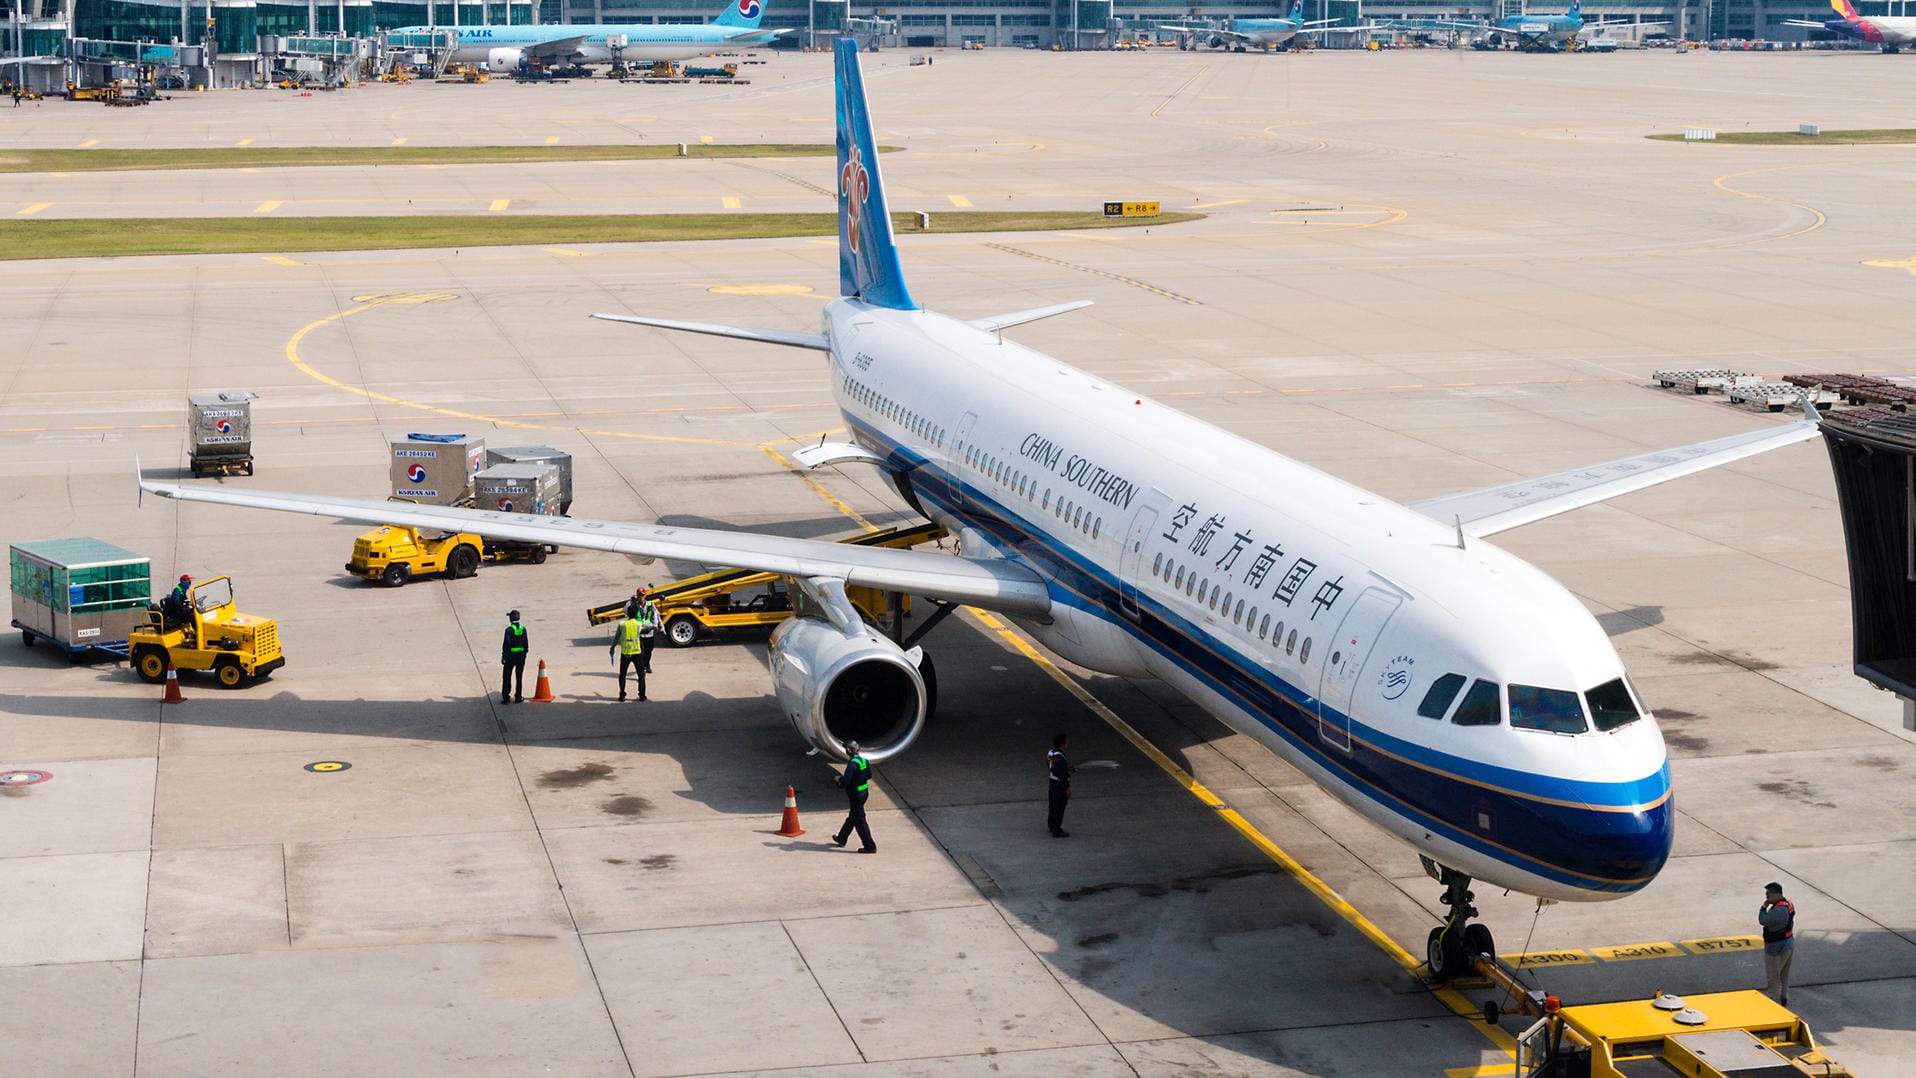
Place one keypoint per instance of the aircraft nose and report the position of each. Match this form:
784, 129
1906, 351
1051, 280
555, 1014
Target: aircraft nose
1622, 850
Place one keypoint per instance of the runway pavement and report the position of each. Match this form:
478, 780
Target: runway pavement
1422, 272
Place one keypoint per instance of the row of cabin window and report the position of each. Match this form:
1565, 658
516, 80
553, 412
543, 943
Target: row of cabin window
896, 412
1557, 711
1207, 595
1027, 488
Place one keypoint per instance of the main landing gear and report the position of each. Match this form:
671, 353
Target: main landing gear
1454, 946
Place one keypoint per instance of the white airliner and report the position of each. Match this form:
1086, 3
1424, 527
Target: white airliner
501, 47
1454, 695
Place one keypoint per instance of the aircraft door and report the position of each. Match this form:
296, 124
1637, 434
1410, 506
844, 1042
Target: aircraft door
1344, 657
1131, 561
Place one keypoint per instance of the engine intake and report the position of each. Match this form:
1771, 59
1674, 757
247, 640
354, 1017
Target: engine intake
837, 687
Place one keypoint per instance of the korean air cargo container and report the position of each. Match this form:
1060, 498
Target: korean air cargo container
436, 469
539, 454
518, 488
222, 428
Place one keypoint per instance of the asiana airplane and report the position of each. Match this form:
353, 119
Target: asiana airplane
1454, 695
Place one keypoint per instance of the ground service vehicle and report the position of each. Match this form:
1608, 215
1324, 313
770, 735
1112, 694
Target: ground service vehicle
396, 553
81, 594
711, 604
1718, 1035
217, 637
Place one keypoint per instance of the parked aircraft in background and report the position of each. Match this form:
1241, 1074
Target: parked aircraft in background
1454, 695
1548, 33
501, 48
1891, 32
1241, 34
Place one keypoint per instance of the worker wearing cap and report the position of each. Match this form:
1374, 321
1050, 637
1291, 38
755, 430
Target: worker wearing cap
1778, 919
627, 644
1059, 769
512, 661
856, 782
177, 607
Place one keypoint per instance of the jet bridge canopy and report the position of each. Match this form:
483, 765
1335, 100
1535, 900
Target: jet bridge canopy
1873, 455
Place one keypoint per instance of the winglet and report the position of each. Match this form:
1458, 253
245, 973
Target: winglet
867, 255
139, 483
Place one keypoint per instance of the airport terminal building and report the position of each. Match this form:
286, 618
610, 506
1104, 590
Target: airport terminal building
236, 41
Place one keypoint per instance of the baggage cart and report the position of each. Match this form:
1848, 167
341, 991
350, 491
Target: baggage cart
81, 595
222, 428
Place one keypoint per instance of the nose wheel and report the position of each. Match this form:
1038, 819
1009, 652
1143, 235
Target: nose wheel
1453, 947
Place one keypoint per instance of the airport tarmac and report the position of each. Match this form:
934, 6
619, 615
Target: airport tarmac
1422, 272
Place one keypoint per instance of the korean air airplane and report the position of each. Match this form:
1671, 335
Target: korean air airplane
1249, 33
1892, 33
501, 48
1456, 696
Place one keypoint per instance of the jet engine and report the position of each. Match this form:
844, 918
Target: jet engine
503, 61
1216, 41
837, 686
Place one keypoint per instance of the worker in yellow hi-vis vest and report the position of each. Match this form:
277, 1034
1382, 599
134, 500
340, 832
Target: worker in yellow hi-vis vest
628, 643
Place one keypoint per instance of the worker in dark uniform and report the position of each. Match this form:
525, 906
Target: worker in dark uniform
1778, 919
856, 782
512, 662
176, 610
627, 644
1060, 770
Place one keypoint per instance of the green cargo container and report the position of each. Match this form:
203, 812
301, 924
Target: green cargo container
79, 593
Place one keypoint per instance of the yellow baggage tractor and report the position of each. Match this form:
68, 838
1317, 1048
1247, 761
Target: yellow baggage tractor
711, 604
214, 636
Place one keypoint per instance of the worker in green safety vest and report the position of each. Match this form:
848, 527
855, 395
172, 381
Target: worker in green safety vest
512, 661
628, 643
857, 783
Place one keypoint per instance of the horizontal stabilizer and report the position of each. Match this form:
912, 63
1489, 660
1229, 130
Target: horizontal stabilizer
1019, 318
744, 333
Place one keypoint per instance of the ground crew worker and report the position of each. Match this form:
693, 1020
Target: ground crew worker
512, 661
647, 611
1778, 918
626, 643
177, 608
1060, 770
856, 782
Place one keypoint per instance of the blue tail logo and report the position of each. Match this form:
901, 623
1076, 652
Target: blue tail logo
867, 255
1297, 11
742, 13
1576, 9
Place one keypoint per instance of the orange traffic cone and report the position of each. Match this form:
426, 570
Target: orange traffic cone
542, 692
788, 827
172, 687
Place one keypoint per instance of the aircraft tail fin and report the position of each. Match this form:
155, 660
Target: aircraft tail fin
1576, 9
867, 255
1297, 11
1845, 9
742, 13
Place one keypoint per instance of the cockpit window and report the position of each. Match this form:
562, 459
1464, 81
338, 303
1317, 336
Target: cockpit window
1555, 710
1611, 705
1481, 706
1438, 699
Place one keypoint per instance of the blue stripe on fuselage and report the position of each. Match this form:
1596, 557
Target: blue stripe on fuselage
1440, 792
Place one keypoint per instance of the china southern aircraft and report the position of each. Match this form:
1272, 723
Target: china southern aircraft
501, 48
1454, 695
1248, 33
1892, 33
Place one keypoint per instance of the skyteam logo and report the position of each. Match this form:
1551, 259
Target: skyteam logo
223, 427
1395, 680
505, 505
416, 473
853, 183
749, 8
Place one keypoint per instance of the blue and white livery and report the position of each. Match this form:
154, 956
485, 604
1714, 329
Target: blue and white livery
1451, 693
502, 48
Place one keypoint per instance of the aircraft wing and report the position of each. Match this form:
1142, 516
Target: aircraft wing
994, 584
1500, 508
556, 49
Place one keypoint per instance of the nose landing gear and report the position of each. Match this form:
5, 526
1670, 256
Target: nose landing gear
1453, 947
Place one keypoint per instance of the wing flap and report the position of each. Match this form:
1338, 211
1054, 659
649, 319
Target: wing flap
996, 585
1500, 508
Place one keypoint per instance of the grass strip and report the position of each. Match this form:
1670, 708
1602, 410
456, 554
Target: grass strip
1869, 137
109, 160
97, 237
